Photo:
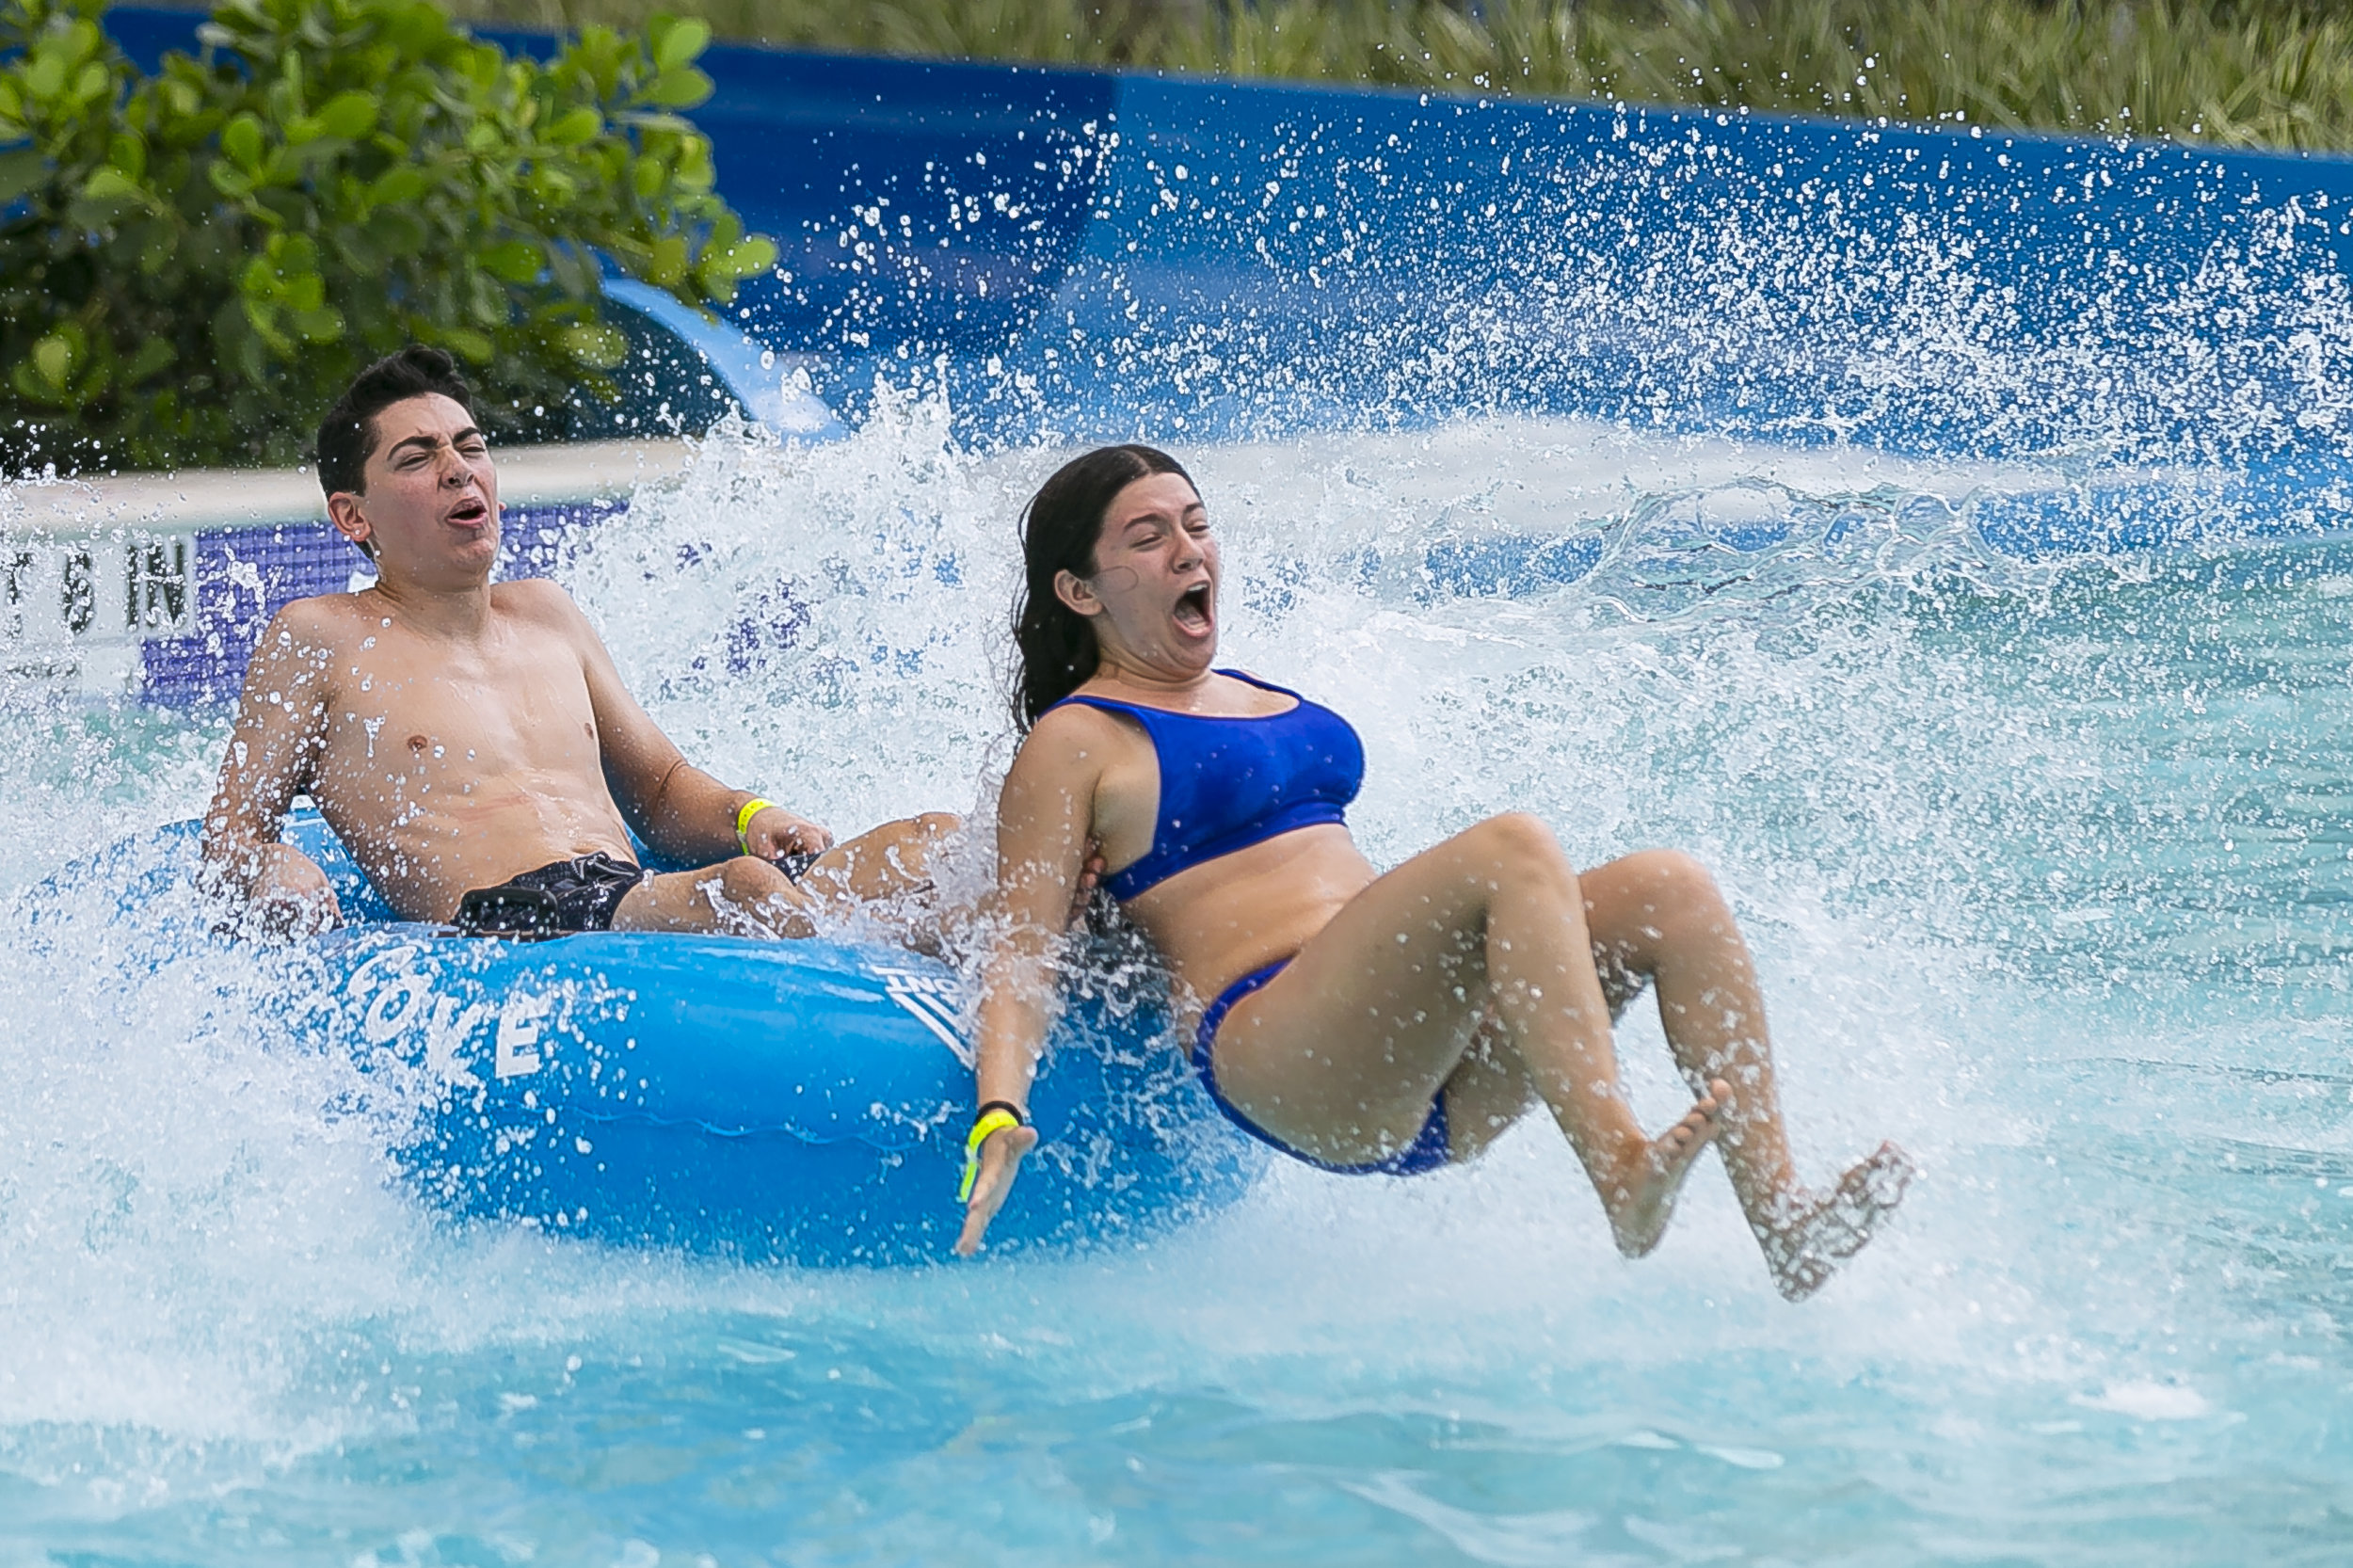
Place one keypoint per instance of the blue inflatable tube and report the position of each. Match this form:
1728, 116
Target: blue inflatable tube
797, 1101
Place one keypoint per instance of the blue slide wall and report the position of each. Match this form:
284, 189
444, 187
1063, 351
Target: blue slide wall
1079, 253
1100, 254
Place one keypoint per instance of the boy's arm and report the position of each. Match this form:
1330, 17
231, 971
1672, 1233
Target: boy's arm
676, 807
273, 750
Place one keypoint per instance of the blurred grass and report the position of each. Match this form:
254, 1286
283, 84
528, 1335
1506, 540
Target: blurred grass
2237, 73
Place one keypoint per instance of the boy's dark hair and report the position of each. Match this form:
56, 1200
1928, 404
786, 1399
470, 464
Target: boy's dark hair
347, 434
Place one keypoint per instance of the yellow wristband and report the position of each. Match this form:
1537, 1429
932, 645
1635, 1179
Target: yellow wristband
752, 808
989, 1124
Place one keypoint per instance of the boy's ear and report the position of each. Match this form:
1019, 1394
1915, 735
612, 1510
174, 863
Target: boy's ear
343, 510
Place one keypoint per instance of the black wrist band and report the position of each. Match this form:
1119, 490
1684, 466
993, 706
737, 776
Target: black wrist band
1016, 1112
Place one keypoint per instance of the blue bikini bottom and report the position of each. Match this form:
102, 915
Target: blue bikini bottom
1427, 1152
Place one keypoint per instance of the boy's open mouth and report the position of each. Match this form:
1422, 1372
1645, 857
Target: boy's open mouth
472, 510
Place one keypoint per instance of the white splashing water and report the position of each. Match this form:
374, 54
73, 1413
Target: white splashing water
1962, 803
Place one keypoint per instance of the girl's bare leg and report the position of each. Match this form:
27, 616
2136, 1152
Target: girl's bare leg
1658, 914
1341, 1054
1490, 1091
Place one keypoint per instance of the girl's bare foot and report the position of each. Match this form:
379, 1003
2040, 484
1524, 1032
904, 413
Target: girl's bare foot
1644, 1198
1823, 1231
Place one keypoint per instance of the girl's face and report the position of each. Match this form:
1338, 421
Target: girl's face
1153, 597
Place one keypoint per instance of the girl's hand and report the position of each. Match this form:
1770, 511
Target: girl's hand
1001, 1161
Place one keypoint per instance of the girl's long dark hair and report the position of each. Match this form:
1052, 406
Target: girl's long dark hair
1059, 529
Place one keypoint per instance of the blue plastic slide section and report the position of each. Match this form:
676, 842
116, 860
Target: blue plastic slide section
1083, 255
772, 388
1079, 254
931, 206
1266, 257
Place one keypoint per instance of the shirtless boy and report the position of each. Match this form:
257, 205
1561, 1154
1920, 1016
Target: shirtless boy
461, 735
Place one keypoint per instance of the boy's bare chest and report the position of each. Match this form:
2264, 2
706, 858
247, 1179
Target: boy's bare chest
407, 713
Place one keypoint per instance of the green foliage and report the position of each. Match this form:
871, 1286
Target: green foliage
198, 262
2239, 72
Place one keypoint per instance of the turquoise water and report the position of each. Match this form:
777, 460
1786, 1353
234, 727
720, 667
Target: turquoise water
2047, 868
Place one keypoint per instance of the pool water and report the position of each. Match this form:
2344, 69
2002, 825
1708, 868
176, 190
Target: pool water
2047, 865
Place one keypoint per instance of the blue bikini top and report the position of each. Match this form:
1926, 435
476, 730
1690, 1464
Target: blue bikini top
1228, 783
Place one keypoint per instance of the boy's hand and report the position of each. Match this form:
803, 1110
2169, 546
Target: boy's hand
775, 832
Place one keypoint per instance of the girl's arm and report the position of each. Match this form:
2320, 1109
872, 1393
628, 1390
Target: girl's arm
1043, 819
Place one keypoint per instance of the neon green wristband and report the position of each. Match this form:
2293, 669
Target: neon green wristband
991, 1121
752, 808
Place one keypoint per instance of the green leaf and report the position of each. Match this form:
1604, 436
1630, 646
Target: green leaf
263, 319
666, 261
399, 232
54, 359
470, 344
319, 324
399, 186
22, 168
755, 256
679, 42
355, 251
154, 355
46, 79
128, 153
681, 88
575, 127
110, 184
349, 115
598, 347
292, 253
241, 139
515, 261
31, 387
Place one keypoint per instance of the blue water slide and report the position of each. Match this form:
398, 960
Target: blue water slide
1102, 254
2162, 328
1267, 256
929, 205
1079, 253
684, 369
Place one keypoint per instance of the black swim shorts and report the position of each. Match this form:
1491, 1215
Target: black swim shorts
567, 896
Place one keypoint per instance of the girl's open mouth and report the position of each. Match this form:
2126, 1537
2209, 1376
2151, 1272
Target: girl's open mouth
1193, 612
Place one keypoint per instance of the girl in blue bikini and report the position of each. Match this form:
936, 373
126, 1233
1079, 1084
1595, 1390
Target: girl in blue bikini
1363, 1022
